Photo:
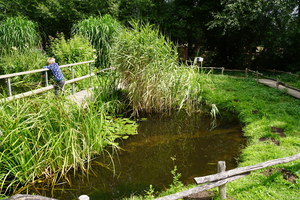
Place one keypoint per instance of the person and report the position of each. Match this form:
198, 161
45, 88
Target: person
58, 76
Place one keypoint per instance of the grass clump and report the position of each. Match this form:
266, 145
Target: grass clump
43, 139
101, 32
147, 64
18, 33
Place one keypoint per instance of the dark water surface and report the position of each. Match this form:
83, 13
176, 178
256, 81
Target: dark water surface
189, 142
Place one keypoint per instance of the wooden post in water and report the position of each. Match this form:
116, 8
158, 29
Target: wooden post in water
222, 188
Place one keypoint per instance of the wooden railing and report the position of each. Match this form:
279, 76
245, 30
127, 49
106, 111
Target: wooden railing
47, 86
220, 179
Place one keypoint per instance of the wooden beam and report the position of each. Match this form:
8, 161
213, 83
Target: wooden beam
201, 188
241, 170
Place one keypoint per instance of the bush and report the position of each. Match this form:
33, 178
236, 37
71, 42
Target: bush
76, 49
18, 33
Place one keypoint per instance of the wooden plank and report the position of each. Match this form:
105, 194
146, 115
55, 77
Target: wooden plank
201, 188
222, 188
242, 170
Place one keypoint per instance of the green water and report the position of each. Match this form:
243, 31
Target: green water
145, 159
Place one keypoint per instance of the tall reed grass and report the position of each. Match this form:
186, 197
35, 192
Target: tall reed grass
148, 66
43, 138
18, 33
101, 32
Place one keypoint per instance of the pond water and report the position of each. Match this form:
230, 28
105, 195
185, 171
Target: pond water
189, 142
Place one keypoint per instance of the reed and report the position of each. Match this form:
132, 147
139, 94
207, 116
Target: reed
43, 138
148, 66
101, 32
18, 33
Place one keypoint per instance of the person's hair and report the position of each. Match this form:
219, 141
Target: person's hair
51, 60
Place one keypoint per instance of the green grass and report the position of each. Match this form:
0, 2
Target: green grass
18, 33
260, 108
101, 32
43, 138
147, 64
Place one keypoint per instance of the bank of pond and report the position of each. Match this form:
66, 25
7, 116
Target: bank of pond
53, 148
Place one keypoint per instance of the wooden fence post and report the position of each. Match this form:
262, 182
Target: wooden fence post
222, 188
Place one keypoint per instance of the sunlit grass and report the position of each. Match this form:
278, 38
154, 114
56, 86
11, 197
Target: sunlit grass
260, 108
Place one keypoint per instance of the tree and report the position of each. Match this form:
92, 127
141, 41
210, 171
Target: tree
248, 24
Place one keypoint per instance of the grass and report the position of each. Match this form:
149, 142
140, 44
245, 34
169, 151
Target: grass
43, 138
101, 32
18, 33
148, 68
260, 108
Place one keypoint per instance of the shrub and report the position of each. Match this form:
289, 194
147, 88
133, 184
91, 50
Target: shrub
76, 49
18, 33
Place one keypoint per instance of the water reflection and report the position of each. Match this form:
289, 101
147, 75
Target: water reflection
146, 158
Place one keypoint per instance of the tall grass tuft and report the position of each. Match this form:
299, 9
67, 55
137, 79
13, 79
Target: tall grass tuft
43, 139
18, 33
101, 32
148, 67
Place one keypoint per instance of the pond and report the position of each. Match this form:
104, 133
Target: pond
163, 142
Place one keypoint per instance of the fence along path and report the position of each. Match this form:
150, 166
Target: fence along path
295, 92
223, 177
47, 87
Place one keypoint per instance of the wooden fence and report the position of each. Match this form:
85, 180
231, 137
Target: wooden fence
220, 179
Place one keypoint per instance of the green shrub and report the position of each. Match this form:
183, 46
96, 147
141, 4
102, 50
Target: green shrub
101, 32
76, 49
18, 33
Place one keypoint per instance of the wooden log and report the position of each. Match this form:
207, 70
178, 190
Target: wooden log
242, 170
201, 188
222, 188
29, 197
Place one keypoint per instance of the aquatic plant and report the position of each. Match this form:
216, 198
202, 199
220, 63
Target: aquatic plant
101, 32
149, 71
18, 33
42, 139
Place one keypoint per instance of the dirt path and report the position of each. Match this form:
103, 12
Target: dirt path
274, 84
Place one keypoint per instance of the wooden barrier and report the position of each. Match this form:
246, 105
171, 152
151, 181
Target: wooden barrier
223, 177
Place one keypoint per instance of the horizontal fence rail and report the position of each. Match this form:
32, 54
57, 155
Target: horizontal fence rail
223, 177
42, 70
47, 87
